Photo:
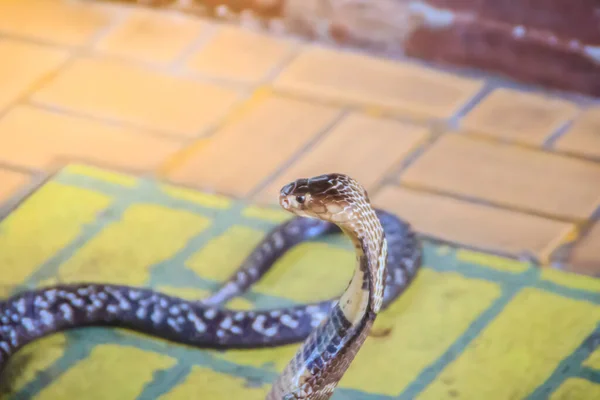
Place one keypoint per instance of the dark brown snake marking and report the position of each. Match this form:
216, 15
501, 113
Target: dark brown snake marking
332, 331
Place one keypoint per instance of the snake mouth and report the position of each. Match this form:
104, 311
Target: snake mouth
284, 202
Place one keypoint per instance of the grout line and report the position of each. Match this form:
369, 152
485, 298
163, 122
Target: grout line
298, 155
595, 215
560, 255
527, 256
165, 69
529, 147
392, 177
41, 42
454, 121
74, 53
569, 367
550, 141
489, 85
294, 51
23, 169
394, 114
595, 159
464, 341
173, 162
256, 93
494, 79
265, 25
389, 177
145, 130
90, 50
475, 200
24, 192
177, 66
175, 70
60, 161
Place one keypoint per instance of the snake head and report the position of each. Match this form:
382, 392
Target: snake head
330, 197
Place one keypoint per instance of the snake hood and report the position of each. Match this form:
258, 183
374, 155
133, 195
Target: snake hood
342, 200
324, 357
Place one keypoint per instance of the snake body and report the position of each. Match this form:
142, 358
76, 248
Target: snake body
332, 330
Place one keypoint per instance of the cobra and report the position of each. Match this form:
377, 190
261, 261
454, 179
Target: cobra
332, 331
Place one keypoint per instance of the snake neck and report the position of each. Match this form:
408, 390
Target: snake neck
363, 289
368, 283
324, 357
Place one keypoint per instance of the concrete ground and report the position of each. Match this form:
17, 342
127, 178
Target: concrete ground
508, 174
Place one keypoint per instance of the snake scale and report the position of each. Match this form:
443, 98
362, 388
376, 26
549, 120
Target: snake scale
388, 257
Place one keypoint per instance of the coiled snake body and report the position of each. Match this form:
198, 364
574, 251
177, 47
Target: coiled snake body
332, 331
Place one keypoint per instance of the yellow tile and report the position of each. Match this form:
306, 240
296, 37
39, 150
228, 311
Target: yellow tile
102, 175
508, 175
583, 137
110, 372
577, 389
129, 93
205, 383
11, 182
571, 280
476, 225
222, 255
518, 347
69, 23
240, 54
33, 359
124, 251
43, 225
363, 147
267, 214
239, 303
593, 361
353, 78
23, 66
516, 115
491, 261
152, 36
5, 290
422, 323
37, 138
275, 128
309, 272
204, 199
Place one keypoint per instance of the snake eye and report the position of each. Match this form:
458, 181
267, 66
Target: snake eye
300, 199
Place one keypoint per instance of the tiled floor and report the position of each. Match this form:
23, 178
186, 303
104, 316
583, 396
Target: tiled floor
470, 326
501, 169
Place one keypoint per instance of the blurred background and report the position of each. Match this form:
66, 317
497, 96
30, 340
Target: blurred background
146, 143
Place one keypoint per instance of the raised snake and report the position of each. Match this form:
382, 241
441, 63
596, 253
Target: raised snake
388, 257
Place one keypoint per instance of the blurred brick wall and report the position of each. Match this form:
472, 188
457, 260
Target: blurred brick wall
554, 43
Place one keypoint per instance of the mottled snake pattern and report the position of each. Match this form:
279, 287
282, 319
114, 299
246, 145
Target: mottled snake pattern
332, 331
